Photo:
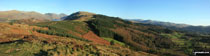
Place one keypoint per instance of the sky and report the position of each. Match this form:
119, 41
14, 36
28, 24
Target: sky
194, 12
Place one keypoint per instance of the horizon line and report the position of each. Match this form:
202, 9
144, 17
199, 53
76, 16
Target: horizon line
103, 14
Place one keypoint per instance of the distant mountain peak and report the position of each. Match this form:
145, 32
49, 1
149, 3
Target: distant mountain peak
14, 10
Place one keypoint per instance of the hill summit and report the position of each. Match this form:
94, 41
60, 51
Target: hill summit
80, 16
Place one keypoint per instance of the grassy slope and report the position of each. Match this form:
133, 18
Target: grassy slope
115, 41
48, 45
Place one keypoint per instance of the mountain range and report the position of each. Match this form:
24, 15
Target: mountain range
179, 27
90, 34
17, 15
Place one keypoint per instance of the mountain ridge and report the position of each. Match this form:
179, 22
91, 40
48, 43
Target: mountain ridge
175, 26
16, 15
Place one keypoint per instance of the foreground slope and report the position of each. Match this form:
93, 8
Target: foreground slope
25, 40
